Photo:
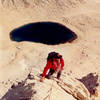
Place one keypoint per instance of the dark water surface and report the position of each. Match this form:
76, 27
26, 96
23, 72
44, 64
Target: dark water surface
50, 33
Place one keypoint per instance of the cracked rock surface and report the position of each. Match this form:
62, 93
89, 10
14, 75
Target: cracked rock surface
21, 63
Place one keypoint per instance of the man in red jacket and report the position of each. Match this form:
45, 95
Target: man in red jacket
55, 63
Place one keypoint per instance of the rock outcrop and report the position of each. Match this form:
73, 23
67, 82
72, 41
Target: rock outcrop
74, 87
81, 57
53, 89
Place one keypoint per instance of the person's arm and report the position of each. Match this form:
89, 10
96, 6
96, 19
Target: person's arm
46, 68
62, 63
61, 68
45, 71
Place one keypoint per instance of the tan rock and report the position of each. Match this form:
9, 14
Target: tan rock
81, 56
74, 87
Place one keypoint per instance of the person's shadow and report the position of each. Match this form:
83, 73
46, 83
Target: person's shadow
20, 92
91, 82
50, 33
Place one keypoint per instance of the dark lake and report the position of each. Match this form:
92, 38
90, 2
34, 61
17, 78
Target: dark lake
50, 33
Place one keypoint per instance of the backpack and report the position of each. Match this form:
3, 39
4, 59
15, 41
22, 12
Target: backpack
51, 55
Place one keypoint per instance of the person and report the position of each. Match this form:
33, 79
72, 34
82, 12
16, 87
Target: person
55, 63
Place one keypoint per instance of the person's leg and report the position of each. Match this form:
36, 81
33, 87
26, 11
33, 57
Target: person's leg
51, 71
58, 75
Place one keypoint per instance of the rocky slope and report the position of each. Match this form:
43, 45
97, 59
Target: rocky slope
82, 56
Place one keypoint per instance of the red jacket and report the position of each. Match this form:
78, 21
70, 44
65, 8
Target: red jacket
53, 65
